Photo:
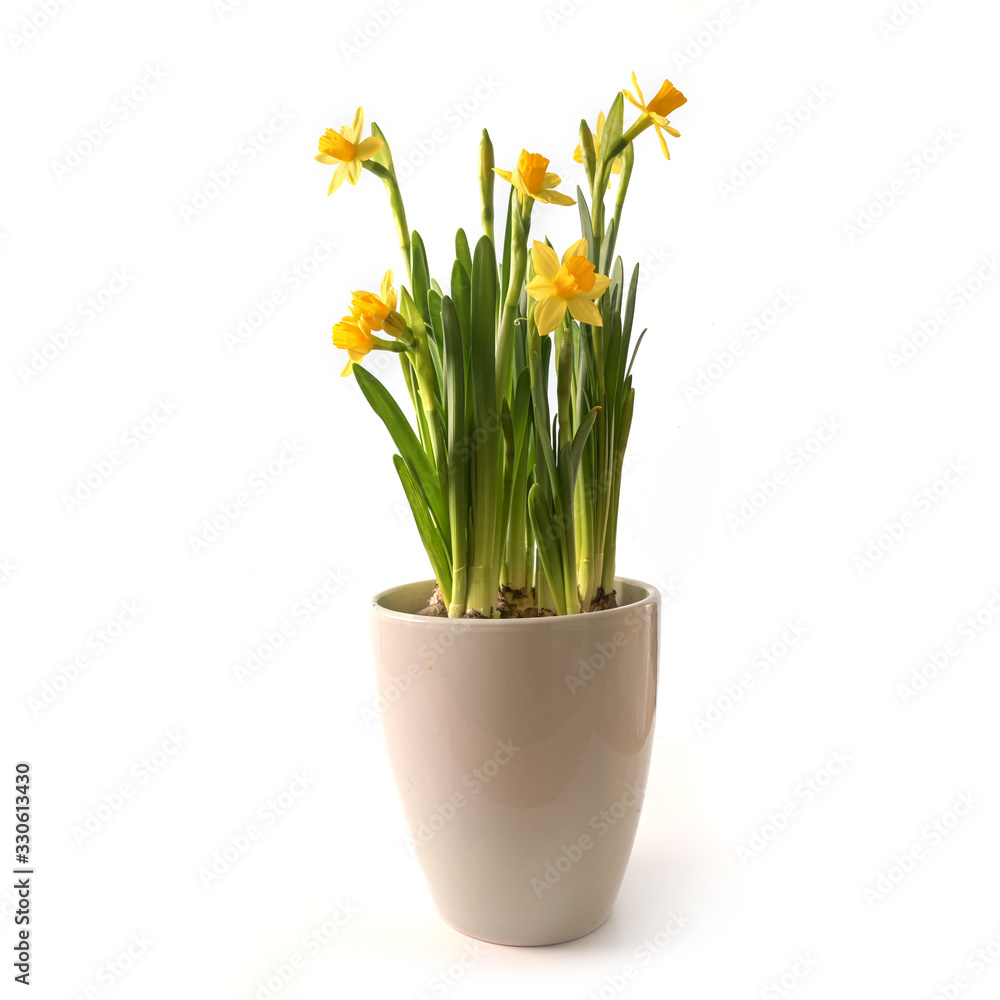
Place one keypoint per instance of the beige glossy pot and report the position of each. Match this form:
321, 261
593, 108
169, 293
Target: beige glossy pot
520, 749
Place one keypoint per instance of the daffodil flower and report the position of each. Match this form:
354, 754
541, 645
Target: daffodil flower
348, 149
349, 336
616, 167
667, 100
378, 312
532, 181
570, 284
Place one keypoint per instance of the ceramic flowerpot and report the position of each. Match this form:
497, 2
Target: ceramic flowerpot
520, 749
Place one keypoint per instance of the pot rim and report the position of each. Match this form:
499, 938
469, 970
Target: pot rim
651, 596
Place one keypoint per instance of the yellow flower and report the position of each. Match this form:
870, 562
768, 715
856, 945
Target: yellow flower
616, 167
375, 313
349, 336
348, 149
667, 100
570, 285
531, 179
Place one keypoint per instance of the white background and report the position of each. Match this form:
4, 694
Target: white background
334, 520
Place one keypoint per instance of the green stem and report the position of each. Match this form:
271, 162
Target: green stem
518, 266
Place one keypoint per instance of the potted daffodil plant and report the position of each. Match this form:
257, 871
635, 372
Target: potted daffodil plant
526, 662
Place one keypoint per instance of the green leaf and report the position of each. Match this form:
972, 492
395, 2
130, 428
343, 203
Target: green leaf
613, 125
607, 248
435, 341
384, 156
462, 251
586, 227
429, 534
421, 274
505, 267
634, 353
457, 431
546, 541
579, 440
381, 401
461, 296
587, 150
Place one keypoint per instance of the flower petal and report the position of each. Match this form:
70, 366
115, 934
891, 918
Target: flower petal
338, 178
353, 171
348, 368
601, 282
600, 123
368, 148
578, 155
577, 249
638, 89
549, 313
545, 260
325, 158
386, 287
659, 119
551, 180
583, 310
663, 142
505, 174
558, 198
632, 100
539, 287
357, 126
